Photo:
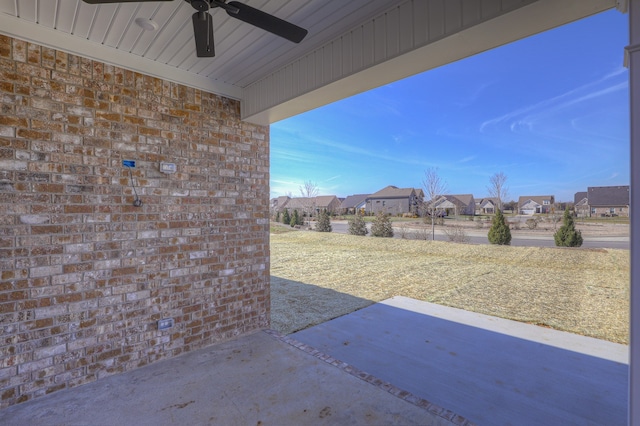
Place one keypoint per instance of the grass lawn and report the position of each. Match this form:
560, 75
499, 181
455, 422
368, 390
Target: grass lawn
319, 276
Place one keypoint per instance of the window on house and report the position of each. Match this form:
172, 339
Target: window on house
546, 202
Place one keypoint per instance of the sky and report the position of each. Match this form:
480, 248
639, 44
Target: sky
551, 112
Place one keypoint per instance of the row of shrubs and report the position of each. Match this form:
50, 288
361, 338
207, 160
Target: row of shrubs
499, 233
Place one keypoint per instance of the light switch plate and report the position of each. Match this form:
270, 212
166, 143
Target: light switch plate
168, 168
165, 323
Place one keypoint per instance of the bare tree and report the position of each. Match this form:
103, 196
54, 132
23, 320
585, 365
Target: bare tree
309, 192
434, 187
497, 188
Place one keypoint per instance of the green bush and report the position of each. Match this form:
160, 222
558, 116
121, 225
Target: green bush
568, 235
357, 225
499, 232
324, 222
381, 226
286, 219
295, 219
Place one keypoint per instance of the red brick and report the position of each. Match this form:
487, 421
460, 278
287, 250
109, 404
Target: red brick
8, 120
95, 269
33, 135
46, 229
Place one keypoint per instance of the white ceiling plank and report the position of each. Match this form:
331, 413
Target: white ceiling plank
167, 15
166, 33
65, 15
46, 12
180, 43
83, 20
26, 9
122, 22
8, 7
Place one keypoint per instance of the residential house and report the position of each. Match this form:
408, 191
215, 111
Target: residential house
306, 205
395, 201
487, 205
463, 204
330, 203
353, 204
581, 204
608, 200
277, 205
535, 204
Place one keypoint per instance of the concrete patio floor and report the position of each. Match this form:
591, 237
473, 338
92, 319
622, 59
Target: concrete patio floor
401, 361
259, 379
489, 370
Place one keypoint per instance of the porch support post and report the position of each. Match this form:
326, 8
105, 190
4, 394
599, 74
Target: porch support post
633, 57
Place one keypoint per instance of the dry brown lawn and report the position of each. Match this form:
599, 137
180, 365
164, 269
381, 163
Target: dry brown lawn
320, 276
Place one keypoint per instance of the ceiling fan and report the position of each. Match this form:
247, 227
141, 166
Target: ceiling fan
203, 23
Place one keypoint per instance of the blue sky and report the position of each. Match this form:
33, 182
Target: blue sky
551, 112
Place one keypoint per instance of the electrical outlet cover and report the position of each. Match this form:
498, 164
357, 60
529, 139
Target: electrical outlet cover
165, 323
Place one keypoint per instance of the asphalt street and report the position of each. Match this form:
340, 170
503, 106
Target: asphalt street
521, 240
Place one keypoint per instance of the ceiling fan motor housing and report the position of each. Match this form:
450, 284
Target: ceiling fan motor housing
201, 5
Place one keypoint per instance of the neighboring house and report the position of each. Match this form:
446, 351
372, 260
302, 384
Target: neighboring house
306, 205
608, 200
486, 206
533, 204
353, 204
454, 205
395, 201
581, 204
330, 203
277, 205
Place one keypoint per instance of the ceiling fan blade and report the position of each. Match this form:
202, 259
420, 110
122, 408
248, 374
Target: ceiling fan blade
203, 34
267, 22
117, 1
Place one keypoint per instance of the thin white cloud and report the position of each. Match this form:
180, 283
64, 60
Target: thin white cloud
524, 118
345, 149
467, 159
473, 95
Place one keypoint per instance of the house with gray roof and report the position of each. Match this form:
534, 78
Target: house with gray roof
353, 204
581, 204
607, 201
486, 205
462, 204
395, 201
306, 205
535, 204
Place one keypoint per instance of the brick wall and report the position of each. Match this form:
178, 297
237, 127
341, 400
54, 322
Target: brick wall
86, 275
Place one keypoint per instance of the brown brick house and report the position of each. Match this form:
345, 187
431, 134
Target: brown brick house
607, 201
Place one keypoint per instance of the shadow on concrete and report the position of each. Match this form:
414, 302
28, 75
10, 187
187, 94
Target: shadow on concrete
486, 369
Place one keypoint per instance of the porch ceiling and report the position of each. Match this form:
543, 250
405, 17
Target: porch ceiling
352, 46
